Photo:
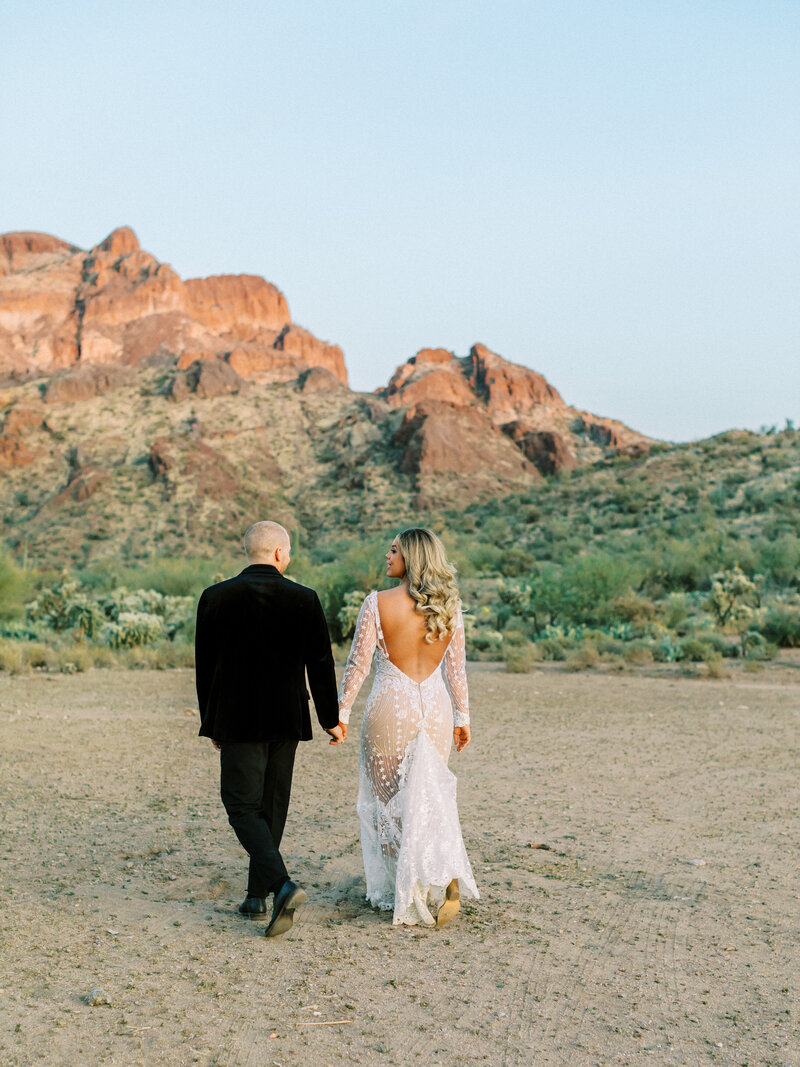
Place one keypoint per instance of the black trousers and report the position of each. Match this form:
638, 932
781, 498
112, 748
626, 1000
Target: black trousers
255, 785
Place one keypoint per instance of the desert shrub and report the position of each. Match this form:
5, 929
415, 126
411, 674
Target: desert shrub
676, 611
638, 653
613, 662
141, 657
695, 650
133, 628
103, 656
484, 643
780, 559
515, 561
551, 648
348, 612
39, 655
174, 654
183, 576
633, 608
782, 625
607, 645
584, 658
665, 650
757, 647
64, 607
11, 658
484, 558
74, 659
590, 584
715, 668
514, 638
14, 588
521, 660
753, 666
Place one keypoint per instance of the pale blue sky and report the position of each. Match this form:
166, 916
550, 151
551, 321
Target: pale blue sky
604, 190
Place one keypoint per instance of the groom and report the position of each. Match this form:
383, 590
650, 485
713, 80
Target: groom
257, 636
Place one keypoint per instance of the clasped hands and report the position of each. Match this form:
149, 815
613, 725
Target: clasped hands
338, 734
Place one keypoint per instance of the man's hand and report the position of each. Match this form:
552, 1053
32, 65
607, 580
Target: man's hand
461, 737
337, 735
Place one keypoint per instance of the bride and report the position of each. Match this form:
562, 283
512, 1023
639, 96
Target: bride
414, 857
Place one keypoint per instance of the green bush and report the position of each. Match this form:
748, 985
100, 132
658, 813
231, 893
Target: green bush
39, 655
348, 612
11, 657
483, 643
551, 648
133, 628
782, 625
638, 653
583, 659
74, 659
14, 588
696, 650
521, 660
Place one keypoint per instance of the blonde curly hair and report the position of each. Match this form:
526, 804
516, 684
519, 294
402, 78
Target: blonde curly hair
431, 581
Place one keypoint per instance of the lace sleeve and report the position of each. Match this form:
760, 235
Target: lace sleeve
359, 659
455, 669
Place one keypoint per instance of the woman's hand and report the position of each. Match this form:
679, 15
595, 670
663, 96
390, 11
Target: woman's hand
337, 736
343, 728
461, 737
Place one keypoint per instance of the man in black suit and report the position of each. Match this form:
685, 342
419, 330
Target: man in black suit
257, 636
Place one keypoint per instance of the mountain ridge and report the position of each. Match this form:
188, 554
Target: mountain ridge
140, 406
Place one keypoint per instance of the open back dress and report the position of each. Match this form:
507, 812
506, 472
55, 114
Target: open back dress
410, 832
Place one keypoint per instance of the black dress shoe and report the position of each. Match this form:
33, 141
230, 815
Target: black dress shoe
253, 907
288, 898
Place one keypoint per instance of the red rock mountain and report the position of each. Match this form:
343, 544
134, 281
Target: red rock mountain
117, 304
140, 406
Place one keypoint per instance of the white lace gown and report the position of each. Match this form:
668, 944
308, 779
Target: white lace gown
410, 832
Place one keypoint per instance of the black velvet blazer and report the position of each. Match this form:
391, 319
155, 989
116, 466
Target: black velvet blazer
257, 635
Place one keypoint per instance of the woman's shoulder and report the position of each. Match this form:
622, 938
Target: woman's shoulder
398, 595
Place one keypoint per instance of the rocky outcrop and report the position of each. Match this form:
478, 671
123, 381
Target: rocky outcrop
305, 347
457, 453
610, 434
84, 482
507, 389
548, 451
320, 380
17, 447
84, 382
503, 389
206, 378
117, 304
30, 251
240, 305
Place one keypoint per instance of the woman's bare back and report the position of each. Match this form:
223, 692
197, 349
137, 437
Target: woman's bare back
404, 632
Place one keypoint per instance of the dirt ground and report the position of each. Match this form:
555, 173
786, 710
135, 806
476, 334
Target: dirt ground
660, 926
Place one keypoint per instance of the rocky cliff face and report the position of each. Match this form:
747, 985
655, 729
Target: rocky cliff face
61, 306
482, 413
140, 412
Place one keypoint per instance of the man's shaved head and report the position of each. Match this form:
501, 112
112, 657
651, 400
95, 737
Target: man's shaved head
262, 539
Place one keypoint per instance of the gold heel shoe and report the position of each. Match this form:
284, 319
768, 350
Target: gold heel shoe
451, 906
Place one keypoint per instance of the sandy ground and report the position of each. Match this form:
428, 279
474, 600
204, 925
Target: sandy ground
660, 927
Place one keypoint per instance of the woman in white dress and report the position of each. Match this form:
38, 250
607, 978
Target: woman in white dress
414, 856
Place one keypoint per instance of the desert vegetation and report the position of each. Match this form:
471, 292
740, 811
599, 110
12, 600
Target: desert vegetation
687, 555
